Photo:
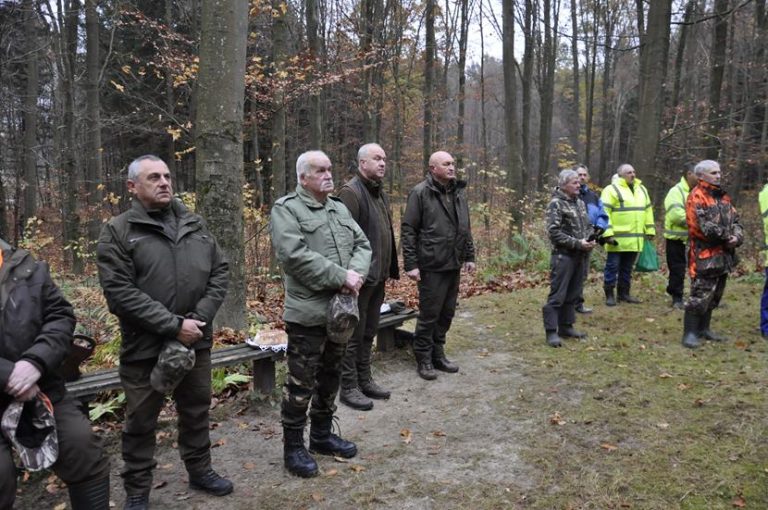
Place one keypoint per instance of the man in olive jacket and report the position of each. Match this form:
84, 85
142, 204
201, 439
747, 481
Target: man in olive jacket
364, 197
322, 251
437, 241
36, 327
165, 277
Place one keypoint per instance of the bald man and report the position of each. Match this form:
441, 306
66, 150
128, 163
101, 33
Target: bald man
437, 242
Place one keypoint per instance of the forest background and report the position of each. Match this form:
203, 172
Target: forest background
230, 92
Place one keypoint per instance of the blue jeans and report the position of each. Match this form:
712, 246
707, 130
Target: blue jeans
764, 307
619, 263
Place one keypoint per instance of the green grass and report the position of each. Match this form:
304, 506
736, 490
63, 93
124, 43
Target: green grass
643, 422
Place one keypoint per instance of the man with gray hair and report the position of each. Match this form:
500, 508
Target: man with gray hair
164, 277
714, 233
630, 214
365, 198
322, 252
568, 228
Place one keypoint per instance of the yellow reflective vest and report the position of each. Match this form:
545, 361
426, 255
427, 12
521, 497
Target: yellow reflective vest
764, 213
675, 226
630, 213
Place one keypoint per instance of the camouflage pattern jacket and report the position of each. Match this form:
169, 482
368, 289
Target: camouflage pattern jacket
567, 222
711, 221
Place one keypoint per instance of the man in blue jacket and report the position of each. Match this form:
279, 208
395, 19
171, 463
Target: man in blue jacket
597, 218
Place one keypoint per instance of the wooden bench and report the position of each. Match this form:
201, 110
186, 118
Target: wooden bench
263, 371
263, 362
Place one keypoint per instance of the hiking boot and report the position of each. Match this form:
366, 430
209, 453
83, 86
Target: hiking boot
625, 297
297, 459
677, 303
354, 398
708, 334
136, 502
445, 365
211, 482
569, 331
372, 390
691, 330
426, 371
553, 340
324, 442
580, 308
610, 297
92, 495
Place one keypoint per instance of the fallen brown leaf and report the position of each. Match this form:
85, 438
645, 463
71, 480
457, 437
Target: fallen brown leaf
739, 502
357, 468
160, 484
406, 435
332, 472
249, 465
609, 447
317, 497
438, 433
556, 419
220, 442
664, 375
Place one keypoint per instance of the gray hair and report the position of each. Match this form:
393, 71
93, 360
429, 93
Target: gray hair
703, 167
363, 151
135, 167
623, 168
579, 166
303, 162
565, 176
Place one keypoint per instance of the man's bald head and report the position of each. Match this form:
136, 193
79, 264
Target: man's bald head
442, 167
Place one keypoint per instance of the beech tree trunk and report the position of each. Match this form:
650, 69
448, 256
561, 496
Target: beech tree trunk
31, 44
93, 164
219, 141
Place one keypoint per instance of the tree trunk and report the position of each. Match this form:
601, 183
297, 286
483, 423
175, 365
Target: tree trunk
719, 45
31, 44
93, 166
219, 130
315, 52
279, 51
429, 82
549, 61
463, 37
575, 113
515, 171
527, 86
680, 57
653, 70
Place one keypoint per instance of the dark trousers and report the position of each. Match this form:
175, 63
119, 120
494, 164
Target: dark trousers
677, 263
438, 293
764, 307
566, 285
619, 265
356, 366
81, 456
143, 405
314, 367
706, 294
580, 299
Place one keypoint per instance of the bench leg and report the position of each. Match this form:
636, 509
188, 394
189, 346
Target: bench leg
385, 339
264, 376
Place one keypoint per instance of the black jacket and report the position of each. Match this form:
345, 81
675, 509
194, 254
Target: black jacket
436, 234
152, 281
37, 322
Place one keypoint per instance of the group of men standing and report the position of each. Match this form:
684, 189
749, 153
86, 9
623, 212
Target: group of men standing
326, 245
701, 230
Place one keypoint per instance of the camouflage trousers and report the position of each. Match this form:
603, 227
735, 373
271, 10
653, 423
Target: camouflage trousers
81, 456
705, 294
314, 372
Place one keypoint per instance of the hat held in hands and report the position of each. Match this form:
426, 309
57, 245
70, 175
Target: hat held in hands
31, 428
342, 317
175, 360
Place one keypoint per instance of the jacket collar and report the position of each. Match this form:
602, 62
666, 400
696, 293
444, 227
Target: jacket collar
560, 194
310, 200
684, 184
435, 186
713, 190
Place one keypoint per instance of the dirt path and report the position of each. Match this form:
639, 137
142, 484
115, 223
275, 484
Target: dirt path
443, 444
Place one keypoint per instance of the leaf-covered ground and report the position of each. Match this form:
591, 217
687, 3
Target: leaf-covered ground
625, 419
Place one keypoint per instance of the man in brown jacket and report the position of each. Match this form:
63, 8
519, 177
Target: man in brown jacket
365, 198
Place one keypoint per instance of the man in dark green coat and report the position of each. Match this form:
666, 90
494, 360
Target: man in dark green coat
165, 277
322, 252
437, 242
365, 198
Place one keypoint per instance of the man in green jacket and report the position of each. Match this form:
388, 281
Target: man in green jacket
676, 234
437, 242
322, 251
165, 277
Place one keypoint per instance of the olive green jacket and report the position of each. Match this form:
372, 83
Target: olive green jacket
152, 282
315, 243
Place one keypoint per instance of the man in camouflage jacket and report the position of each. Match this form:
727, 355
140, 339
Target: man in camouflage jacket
714, 232
568, 228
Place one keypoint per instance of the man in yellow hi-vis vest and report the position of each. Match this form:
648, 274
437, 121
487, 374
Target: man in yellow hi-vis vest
628, 205
676, 234
764, 299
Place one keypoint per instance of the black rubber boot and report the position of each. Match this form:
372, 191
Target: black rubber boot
324, 442
625, 297
610, 295
136, 502
91, 495
708, 334
691, 323
553, 340
297, 459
